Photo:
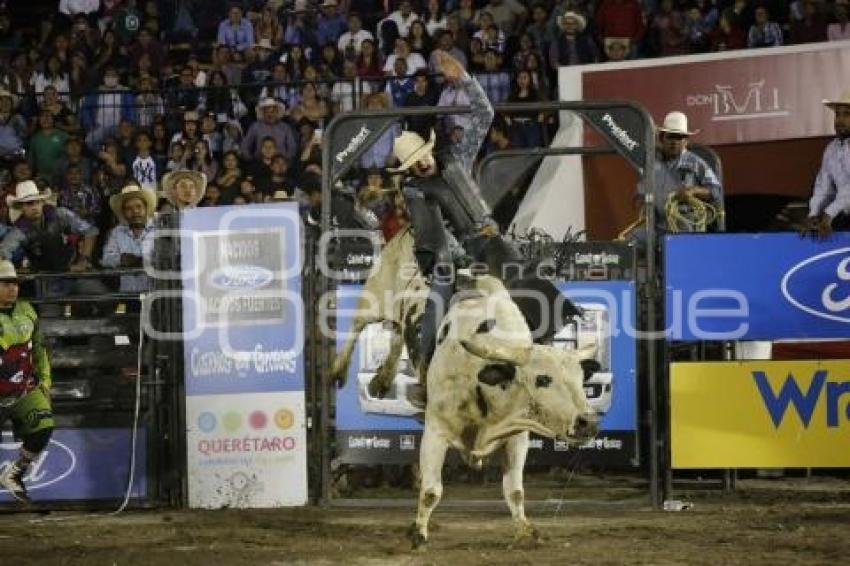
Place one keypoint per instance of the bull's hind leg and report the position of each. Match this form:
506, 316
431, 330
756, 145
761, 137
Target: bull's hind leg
432, 453
380, 384
516, 449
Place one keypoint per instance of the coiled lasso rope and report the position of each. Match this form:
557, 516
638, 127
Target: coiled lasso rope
697, 215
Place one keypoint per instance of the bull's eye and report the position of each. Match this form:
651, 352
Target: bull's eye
589, 367
486, 326
543, 381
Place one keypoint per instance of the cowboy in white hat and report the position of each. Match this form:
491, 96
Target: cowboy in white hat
24, 382
829, 207
132, 238
680, 173
40, 230
184, 188
430, 193
269, 124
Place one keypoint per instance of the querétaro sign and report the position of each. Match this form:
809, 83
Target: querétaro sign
243, 356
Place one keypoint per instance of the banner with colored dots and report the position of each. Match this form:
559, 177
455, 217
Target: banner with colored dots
243, 337
247, 450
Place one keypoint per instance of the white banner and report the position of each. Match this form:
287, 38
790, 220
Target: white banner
247, 450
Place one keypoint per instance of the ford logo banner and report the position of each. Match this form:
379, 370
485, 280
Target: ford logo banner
820, 285
757, 287
53, 465
240, 277
81, 464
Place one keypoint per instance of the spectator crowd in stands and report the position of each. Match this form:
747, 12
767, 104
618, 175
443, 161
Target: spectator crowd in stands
108, 92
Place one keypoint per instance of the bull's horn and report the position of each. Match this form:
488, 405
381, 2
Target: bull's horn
491, 350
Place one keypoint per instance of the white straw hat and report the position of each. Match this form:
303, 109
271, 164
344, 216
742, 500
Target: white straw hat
409, 148
676, 123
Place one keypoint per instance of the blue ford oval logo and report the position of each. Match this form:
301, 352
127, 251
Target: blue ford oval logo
820, 285
53, 465
239, 277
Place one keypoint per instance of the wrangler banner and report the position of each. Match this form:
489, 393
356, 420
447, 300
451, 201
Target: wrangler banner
760, 414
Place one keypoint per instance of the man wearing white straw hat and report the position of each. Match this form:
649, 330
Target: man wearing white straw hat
44, 233
829, 207
270, 112
430, 193
680, 174
132, 238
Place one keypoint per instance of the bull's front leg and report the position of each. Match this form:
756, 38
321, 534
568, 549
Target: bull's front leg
367, 311
342, 359
432, 453
384, 377
516, 450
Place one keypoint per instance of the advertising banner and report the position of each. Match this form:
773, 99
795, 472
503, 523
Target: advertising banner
247, 450
81, 464
386, 431
243, 320
739, 287
748, 96
760, 414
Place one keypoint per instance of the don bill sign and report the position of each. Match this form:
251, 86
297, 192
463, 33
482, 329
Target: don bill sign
243, 323
760, 414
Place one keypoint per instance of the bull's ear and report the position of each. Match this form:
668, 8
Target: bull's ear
497, 374
589, 367
586, 352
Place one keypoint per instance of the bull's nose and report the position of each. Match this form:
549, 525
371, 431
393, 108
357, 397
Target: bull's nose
586, 426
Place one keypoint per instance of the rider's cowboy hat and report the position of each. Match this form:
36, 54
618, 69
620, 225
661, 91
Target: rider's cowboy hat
843, 100
169, 181
26, 191
409, 148
116, 202
676, 123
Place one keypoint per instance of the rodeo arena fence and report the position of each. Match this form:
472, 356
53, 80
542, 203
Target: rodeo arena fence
212, 389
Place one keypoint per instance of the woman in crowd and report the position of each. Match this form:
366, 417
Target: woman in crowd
224, 101
268, 27
369, 62
435, 18
229, 177
525, 127
201, 159
419, 39
295, 62
54, 75
311, 106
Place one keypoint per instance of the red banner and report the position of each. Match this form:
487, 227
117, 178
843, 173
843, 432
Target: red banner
759, 95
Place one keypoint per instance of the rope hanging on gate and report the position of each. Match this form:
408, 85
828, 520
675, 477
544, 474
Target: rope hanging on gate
690, 214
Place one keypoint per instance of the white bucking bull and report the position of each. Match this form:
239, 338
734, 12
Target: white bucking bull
488, 386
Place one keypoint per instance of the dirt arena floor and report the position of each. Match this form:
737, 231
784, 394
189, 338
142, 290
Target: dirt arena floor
788, 521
